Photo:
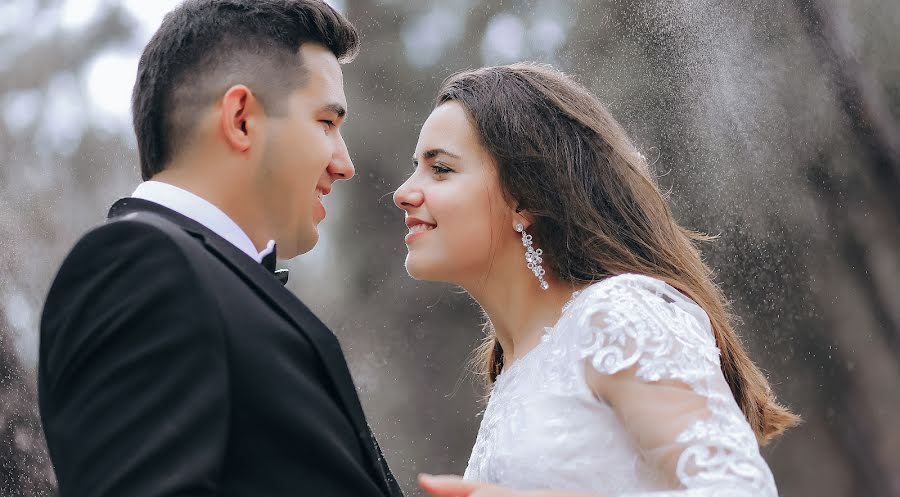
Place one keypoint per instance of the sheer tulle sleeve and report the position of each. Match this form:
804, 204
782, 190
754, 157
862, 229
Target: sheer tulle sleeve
649, 352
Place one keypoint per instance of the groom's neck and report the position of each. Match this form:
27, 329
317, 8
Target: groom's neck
225, 185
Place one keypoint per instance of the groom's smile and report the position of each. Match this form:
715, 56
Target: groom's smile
321, 191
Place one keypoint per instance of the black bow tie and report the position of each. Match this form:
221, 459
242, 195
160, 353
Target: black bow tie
268, 262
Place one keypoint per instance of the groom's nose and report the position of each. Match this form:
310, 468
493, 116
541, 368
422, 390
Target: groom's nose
408, 195
341, 166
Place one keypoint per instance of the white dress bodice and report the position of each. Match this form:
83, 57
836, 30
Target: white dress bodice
674, 430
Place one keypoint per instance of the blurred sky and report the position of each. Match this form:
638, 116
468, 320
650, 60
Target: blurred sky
105, 82
108, 79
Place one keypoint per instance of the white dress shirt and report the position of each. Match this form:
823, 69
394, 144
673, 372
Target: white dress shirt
201, 210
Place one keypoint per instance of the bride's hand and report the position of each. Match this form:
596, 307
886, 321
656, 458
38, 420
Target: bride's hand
454, 486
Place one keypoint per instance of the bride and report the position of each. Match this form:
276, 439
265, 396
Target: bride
614, 368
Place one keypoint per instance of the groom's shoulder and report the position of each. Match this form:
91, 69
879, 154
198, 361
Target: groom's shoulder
133, 235
116, 257
150, 225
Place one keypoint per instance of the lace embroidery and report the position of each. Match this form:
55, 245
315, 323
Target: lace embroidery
544, 428
634, 323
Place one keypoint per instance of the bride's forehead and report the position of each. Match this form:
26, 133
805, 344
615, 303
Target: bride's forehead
448, 126
450, 115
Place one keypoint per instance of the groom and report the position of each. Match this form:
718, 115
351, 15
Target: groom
173, 362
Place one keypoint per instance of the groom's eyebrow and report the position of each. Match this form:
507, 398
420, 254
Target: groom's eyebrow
337, 109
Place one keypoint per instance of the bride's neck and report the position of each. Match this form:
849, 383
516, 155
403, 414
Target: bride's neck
519, 309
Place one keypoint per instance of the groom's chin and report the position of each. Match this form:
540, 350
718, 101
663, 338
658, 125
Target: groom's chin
301, 245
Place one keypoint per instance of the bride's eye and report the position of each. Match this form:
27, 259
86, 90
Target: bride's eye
439, 168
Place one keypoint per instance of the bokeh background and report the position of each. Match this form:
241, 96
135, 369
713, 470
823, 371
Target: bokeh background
772, 124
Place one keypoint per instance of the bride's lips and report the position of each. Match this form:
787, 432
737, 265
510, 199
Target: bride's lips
417, 228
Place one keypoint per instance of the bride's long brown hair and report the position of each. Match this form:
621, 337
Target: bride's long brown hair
597, 209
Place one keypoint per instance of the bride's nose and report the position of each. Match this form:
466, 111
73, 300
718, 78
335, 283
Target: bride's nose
408, 196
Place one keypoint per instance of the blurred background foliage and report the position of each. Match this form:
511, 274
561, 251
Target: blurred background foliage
771, 124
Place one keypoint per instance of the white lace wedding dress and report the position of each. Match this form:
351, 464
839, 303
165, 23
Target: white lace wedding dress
674, 430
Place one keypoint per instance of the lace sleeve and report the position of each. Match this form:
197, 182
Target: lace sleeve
650, 353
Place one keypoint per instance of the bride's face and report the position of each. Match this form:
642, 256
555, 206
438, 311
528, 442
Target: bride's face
458, 220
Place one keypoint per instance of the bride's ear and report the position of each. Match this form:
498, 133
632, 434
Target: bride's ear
523, 217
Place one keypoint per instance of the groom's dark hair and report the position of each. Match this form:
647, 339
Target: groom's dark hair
204, 47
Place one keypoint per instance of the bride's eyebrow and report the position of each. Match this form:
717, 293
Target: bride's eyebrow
434, 152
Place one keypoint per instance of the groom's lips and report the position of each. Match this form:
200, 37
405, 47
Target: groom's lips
321, 191
413, 221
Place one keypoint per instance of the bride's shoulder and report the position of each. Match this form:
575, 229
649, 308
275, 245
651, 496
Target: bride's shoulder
634, 314
635, 297
627, 289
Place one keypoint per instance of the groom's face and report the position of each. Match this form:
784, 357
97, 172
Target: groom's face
305, 153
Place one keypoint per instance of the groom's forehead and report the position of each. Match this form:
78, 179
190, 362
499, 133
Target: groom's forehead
323, 78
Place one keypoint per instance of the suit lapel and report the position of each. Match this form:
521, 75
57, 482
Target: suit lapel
273, 291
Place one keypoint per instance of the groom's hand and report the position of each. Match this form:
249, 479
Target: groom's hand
454, 486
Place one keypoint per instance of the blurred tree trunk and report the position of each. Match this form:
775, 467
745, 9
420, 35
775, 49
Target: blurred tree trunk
860, 96
878, 136
872, 187
25, 469
853, 425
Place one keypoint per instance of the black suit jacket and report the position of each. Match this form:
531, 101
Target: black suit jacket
172, 364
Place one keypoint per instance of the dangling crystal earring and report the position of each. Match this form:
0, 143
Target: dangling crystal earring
533, 257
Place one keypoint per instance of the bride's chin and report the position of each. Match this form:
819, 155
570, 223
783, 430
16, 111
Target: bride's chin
420, 270
415, 272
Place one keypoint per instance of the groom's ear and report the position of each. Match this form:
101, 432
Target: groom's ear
239, 118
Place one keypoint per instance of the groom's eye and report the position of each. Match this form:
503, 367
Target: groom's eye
328, 124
